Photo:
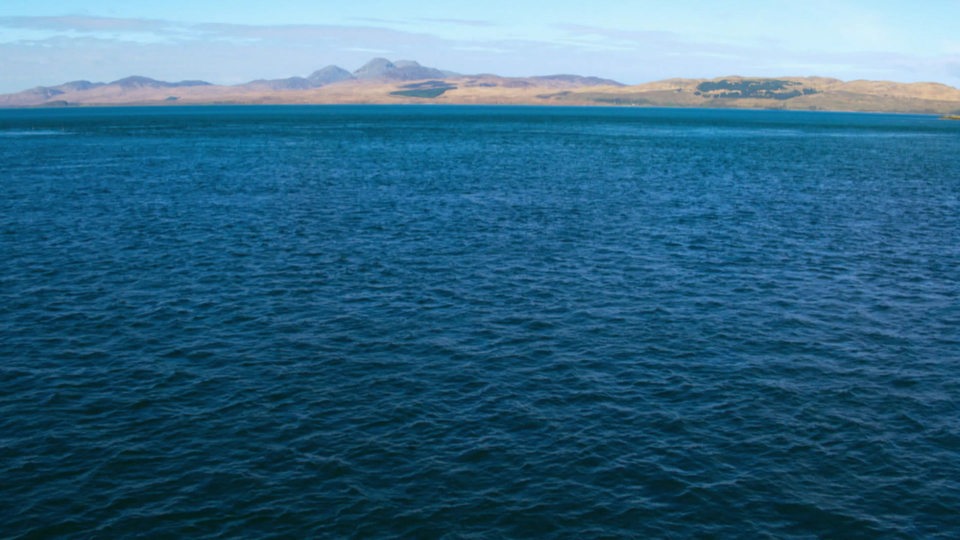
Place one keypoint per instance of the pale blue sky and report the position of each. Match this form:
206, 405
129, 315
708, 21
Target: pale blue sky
45, 42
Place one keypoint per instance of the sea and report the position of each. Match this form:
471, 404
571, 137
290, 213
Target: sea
478, 322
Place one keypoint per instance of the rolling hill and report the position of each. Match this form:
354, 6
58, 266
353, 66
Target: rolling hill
384, 81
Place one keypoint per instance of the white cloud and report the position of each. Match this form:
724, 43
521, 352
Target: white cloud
368, 50
459, 22
77, 23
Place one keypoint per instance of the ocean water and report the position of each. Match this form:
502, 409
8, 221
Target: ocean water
474, 322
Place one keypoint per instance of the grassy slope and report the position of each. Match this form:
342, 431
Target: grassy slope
826, 94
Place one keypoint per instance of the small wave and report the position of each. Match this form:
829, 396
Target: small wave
545, 325
16, 133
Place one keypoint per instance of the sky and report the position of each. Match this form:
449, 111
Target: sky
48, 42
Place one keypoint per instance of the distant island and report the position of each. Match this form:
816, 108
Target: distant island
382, 81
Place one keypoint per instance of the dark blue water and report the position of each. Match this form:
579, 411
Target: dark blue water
478, 323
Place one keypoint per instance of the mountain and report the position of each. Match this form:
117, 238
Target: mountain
329, 75
405, 81
291, 83
78, 86
136, 82
321, 77
404, 70
579, 80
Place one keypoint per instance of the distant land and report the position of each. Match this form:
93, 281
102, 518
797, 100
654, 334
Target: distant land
381, 81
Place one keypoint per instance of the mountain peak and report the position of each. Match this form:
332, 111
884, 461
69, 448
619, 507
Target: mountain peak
329, 75
402, 70
377, 68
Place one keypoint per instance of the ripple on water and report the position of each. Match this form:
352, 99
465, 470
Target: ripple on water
381, 322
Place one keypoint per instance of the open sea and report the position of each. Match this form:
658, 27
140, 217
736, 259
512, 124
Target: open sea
478, 322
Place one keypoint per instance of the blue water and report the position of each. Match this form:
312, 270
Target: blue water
459, 322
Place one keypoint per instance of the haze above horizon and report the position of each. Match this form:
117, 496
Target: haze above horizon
47, 42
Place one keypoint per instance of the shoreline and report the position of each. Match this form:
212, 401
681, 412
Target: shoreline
239, 105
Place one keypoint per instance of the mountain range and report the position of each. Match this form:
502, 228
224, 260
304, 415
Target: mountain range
383, 81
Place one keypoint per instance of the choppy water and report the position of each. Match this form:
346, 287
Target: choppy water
459, 322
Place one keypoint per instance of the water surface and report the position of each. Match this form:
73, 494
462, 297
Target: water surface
476, 322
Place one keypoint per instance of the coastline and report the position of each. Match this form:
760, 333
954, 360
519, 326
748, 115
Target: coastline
159, 105
734, 92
